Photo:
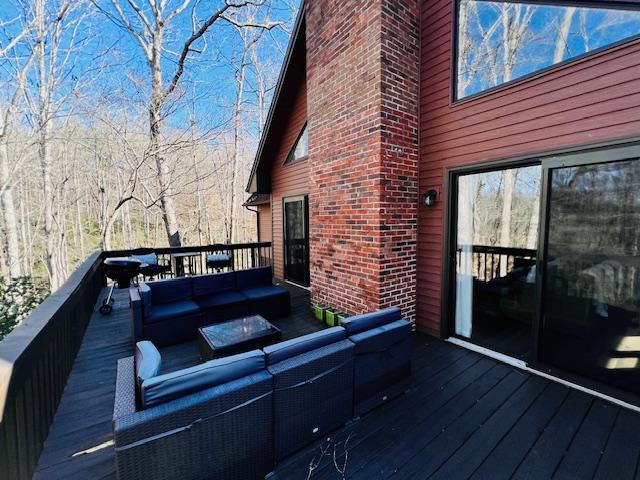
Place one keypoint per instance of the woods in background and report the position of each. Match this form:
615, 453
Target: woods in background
127, 124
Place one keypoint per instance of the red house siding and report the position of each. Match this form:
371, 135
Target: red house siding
593, 99
264, 223
288, 180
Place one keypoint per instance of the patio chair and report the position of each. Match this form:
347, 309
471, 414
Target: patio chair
154, 267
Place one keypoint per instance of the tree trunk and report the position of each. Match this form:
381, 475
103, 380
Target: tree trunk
9, 215
236, 144
505, 224
163, 174
563, 34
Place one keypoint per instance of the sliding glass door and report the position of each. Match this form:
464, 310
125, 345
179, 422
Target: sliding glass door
496, 237
591, 283
545, 263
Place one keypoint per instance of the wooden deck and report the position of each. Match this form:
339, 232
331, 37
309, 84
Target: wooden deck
465, 416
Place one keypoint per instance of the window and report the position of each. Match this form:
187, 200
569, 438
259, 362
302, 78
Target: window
502, 41
300, 148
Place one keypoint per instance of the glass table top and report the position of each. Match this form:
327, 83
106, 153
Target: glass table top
234, 331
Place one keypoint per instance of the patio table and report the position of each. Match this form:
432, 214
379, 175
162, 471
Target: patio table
236, 336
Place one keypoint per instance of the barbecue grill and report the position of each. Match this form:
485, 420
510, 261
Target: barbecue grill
121, 270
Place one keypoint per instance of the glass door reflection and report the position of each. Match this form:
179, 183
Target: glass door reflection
497, 217
591, 314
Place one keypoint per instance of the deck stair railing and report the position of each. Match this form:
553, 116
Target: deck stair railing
37, 356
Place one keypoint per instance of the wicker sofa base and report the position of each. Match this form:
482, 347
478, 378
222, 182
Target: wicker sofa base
225, 432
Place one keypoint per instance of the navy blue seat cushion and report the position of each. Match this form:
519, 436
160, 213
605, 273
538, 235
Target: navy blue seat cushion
168, 311
164, 388
205, 285
264, 291
253, 277
222, 299
169, 291
367, 321
296, 346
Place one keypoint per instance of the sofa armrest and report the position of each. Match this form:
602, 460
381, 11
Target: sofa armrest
136, 314
125, 396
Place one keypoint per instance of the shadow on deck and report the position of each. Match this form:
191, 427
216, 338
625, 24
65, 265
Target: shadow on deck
465, 416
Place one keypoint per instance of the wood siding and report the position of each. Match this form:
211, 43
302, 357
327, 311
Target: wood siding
264, 223
288, 180
590, 100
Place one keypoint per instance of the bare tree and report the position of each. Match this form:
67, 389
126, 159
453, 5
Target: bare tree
56, 44
8, 114
148, 24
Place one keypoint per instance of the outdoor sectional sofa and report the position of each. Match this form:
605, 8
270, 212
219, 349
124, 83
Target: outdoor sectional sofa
170, 311
235, 417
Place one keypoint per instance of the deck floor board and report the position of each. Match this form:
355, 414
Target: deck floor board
464, 416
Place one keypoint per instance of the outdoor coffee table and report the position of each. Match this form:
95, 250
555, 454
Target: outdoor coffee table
236, 336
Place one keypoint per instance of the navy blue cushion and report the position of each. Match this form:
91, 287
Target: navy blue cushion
169, 291
296, 346
367, 321
168, 311
264, 291
253, 277
164, 388
222, 299
205, 285
380, 338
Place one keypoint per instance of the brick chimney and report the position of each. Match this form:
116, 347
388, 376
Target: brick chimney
362, 80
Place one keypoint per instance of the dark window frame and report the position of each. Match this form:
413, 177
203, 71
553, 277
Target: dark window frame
454, 100
291, 155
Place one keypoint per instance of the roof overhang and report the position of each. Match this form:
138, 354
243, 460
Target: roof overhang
257, 199
260, 177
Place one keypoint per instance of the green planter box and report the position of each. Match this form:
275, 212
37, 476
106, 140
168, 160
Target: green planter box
318, 312
332, 317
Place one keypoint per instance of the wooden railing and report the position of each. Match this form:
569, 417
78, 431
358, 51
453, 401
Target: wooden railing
37, 356
182, 261
35, 361
488, 262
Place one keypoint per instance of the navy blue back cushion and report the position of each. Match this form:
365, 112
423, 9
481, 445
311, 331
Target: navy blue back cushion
206, 285
367, 321
169, 291
253, 277
296, 346
164, 388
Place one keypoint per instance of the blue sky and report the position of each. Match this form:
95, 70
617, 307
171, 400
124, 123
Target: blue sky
124, 75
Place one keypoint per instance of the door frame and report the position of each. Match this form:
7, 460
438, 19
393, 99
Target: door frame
603, 152
447, 324
305, 201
